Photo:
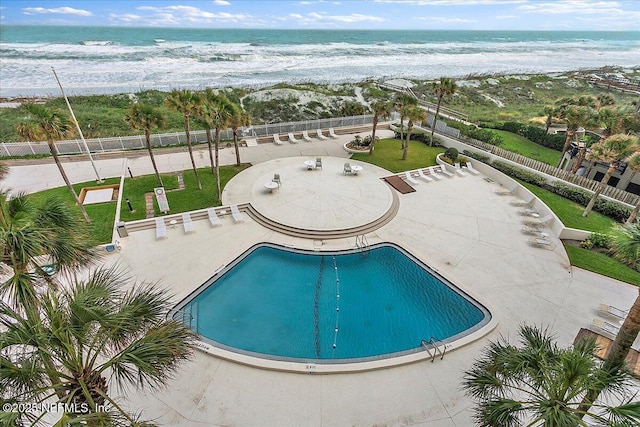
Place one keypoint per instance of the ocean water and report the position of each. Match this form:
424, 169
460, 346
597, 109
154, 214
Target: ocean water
93, 60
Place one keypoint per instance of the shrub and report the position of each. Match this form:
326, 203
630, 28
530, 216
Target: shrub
451, 153
612, 209
367, 140
474, 132
586, 244
532, 133
519, 173
478, 156
601, 240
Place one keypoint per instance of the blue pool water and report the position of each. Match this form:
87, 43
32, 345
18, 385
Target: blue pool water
315, 306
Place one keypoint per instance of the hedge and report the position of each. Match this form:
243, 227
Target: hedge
532, 133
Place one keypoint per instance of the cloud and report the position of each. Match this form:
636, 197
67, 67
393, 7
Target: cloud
57, 10
221, 3
323, 17
178, 15
446, 20
506, 17
451, 2
582, 7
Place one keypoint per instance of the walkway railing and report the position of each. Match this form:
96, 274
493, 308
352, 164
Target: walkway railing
120, 143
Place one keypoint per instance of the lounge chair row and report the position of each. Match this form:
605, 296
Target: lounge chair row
305, 136
432, 173
606, 328
187, 221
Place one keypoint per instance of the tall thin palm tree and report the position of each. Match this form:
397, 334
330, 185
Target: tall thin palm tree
549, 112
575, 116
612, 150
143, 116
185, 102
205, 116
381, 110
412, 113
402, 101
626, 247
238, 119
445, 87
538, 383
216, 110
44, 124
94, 331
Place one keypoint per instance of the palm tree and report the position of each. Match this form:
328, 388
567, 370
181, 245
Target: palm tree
634, 163
549, 112
412, 113
93, 331
204, 116
445, 87
4, 171
538, 383
217, 111
626, 248
381, 110
575, 116
239, 118
31, 233
404, 100
185, 102
612, 150
43, 124
143, 116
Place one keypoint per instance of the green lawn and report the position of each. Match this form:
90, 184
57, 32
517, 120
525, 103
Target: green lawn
179, 200
570, 213
521, 145
102, 214
388, 155
601, 264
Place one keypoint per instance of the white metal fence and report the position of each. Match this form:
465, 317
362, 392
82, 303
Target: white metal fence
119, 143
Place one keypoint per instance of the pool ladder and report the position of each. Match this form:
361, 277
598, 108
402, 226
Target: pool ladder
189, 317
362, 243
434, 347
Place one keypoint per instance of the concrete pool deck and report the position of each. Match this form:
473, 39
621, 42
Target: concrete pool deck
458, 226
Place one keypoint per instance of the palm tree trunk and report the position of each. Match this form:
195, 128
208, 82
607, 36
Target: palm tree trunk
193, 162
565, 147
54, 154
601, 187
235, 144
147, 135
435, 120
405, 149
578, 162
633, 215
217, 144
373, 134
209, 143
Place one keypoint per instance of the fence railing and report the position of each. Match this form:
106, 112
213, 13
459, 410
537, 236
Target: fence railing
120, 143
584, 182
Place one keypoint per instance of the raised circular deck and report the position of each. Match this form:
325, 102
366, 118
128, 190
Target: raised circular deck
318, 199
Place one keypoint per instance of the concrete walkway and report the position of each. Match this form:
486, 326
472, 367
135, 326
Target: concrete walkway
458, 226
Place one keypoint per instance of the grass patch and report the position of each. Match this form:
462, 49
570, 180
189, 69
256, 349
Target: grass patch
570, 213
102, 214
388, 155
521, 145
601, 264
185, 200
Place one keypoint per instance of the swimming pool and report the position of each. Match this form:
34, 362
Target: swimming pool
286, 304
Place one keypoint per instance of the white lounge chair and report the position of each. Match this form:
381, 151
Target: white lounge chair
507, 191
347, 169
161, 229
471, 169
606, 328
444, 170
608, 310
423, 176
332, 134
433, 173
528, 202
292, 139
276, 139
187, 223
235, 212
318, 163
407, 175
459, 170
538, 222
541, 242
213, 218
319, 134
305, 136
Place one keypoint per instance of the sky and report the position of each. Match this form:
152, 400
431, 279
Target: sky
589, 15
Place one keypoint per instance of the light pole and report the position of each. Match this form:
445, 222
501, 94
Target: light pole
73, 116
